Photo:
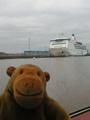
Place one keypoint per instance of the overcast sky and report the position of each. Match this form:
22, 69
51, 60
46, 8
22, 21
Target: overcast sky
41, 21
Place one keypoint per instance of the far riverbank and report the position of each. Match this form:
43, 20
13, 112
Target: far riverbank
15, 56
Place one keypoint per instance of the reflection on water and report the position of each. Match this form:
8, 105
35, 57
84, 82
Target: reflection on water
69, 83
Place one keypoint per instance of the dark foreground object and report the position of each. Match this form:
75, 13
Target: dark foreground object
83, 114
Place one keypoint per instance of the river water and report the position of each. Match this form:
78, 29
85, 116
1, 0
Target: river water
69, 82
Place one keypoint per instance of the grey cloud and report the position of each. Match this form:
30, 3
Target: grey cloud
41, 21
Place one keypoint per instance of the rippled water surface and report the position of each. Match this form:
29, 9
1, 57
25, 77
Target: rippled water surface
69, 82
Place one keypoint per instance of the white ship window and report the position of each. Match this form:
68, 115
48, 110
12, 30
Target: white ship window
58, 43
58, 40
80, 47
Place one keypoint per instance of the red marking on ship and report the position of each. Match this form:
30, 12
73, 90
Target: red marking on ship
79, 43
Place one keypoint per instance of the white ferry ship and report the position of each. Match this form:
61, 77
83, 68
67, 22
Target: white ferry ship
67, 47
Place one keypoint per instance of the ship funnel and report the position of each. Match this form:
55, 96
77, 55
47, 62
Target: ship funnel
73, 37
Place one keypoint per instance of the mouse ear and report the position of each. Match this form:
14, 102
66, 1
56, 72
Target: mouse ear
10, 70
47, 75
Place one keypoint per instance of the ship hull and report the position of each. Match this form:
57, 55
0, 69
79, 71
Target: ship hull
66, 52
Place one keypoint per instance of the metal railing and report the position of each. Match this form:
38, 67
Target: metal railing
76, 113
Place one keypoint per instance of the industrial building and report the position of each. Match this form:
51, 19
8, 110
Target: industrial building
37, 52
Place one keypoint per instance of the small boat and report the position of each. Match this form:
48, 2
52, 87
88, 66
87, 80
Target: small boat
64, 46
